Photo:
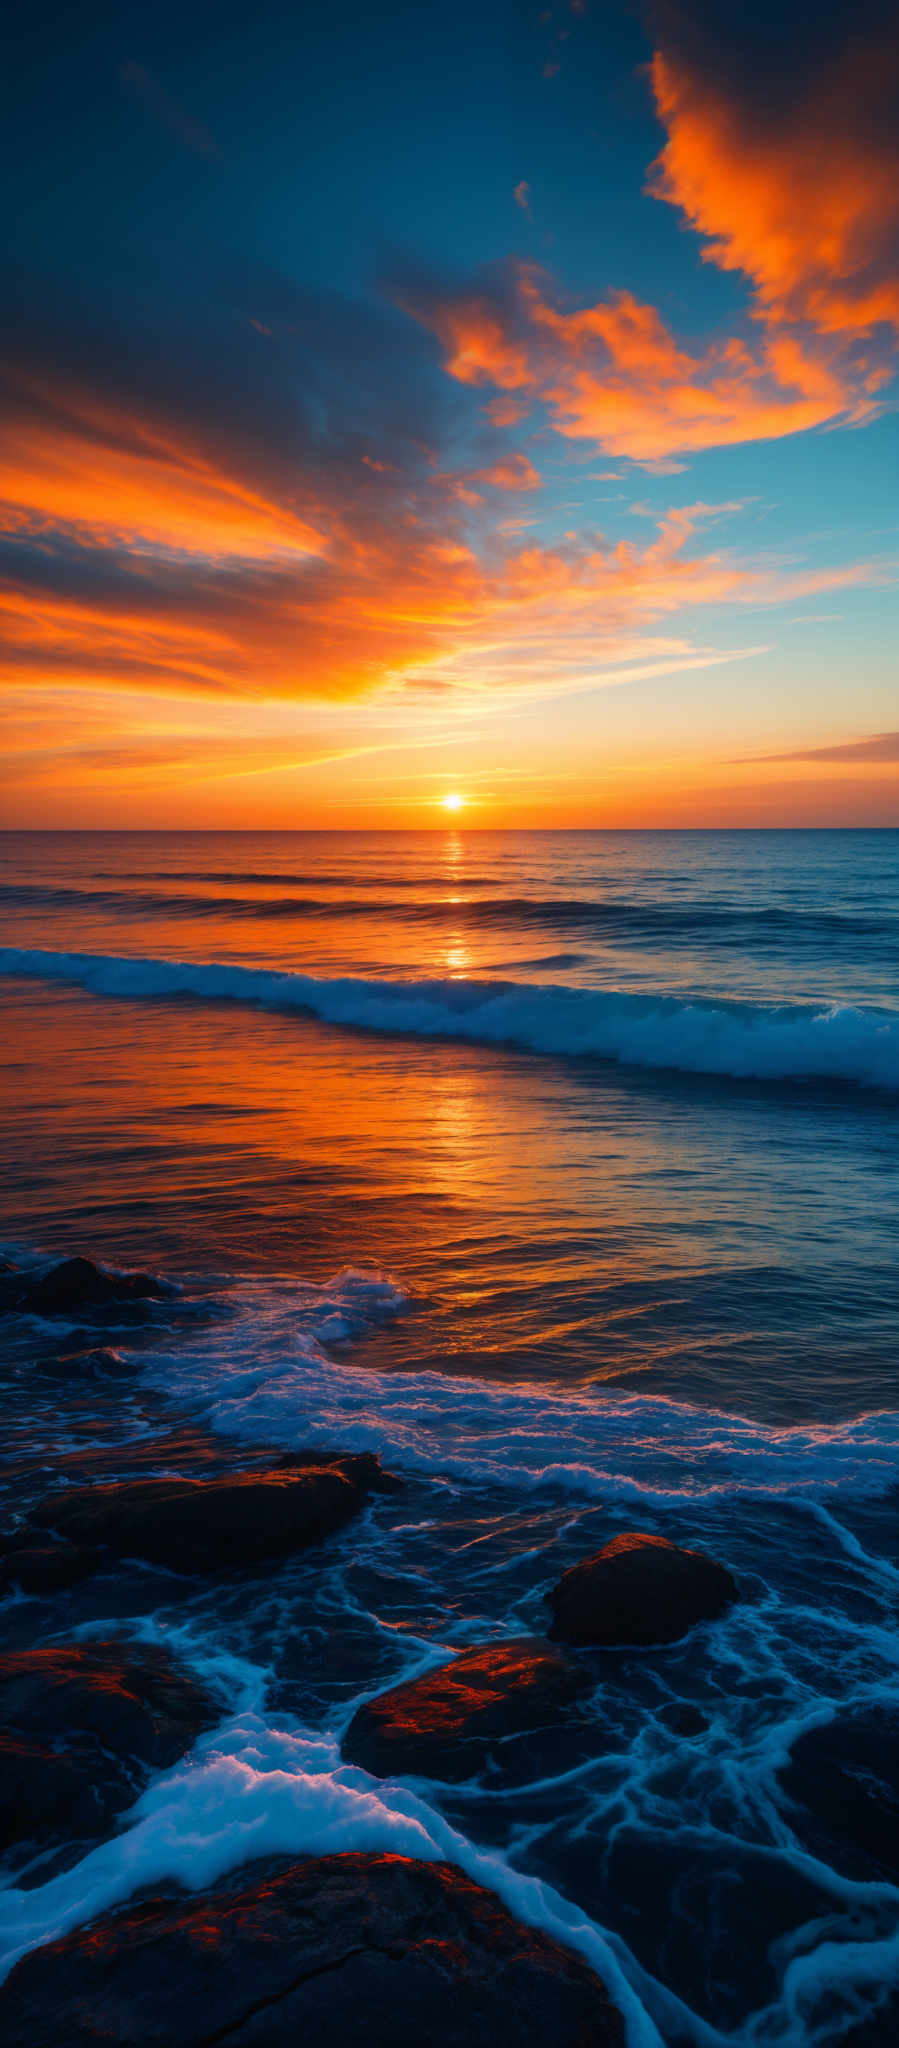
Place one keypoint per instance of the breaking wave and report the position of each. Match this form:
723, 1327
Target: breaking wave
839, 1043
275, 1373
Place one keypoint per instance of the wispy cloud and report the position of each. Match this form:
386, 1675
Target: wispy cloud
880, 747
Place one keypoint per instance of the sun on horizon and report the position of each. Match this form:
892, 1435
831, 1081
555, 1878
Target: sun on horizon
453, 801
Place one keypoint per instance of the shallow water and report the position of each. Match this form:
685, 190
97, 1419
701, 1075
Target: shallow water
594, 1228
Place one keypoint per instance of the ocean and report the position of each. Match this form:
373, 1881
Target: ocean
561, 1169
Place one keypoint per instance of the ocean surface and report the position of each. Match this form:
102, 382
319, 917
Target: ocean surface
562, 1170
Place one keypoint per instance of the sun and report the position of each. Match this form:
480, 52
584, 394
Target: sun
452, 802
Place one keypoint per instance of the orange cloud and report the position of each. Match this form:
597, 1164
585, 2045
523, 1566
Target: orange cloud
626, 585
477, 336
512, 472
67, 457
804, 199
506, 412
613, 374
140, 553
793, 180
138, 550
390, 601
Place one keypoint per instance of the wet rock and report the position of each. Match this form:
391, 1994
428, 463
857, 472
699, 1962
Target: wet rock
364, 1467
230, 1522
374, 1950
448, 1723
682, 1718
46, 1568
76, 1284
843, 1782
639, 1589
710, 1917
82, 1725
95, 1362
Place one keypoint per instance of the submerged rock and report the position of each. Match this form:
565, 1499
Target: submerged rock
375, 1950
82, 1725
76, 1284
843, 1783
682, 1718
229, 1522
639, 1589
881, 2027
712, 1917
46, 1567
447, 1723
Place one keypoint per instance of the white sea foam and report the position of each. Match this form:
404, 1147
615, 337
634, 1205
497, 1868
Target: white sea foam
744, 1040
252, 1790
265, 1371
265, 1374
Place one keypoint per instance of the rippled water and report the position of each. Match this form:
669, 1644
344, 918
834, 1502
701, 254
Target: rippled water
605, 1127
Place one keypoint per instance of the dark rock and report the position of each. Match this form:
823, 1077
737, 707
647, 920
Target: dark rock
229, 1522
363, 1467
97, 1362
682, 1718
76, 1284
447, 1723
46, 1796
639, 1589
880, 2029
843, 1780
81, 1727
374, 1950
48, 1568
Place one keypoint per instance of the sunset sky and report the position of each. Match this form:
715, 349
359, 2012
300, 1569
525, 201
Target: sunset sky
403, 400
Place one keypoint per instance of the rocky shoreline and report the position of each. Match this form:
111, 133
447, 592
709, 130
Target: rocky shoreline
355, 1948
304, 1947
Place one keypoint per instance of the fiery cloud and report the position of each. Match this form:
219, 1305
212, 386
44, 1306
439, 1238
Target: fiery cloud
797, 188
795, 185
130, 556
69, 458
613, 374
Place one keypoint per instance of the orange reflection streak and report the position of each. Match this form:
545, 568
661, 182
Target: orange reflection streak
457, 958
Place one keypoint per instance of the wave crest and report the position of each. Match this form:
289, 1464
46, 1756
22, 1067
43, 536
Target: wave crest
747, 1041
